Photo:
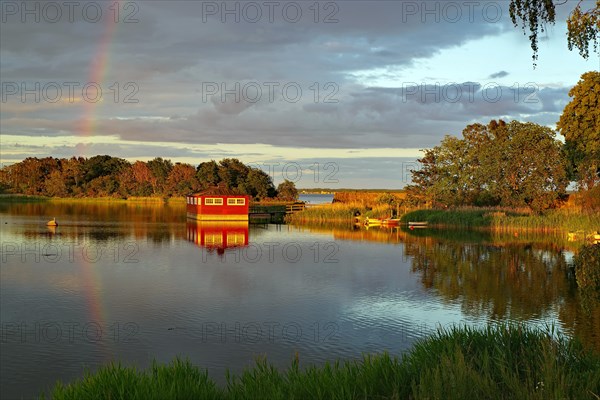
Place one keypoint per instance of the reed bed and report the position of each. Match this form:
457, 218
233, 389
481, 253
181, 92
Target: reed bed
496, 362
509, 220
365, 198
338, 212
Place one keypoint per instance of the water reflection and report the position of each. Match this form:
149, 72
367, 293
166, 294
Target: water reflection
218, 235
493, 275
110, 265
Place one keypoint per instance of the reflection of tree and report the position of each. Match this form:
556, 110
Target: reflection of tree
105, 221
513, 281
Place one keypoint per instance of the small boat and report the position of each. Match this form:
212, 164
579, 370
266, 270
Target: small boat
372, 221
52, 222
424, 223
381, 221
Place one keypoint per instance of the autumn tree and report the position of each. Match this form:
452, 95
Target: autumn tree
136, 180
160, 169
583, 25
182, 180
580, 125
55, 184
72, 173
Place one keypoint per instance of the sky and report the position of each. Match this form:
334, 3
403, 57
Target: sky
336, 94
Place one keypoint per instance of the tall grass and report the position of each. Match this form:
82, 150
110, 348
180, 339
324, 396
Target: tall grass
498, 362
504, 220
364, 197
338, 212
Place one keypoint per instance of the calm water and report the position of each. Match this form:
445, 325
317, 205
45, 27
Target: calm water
316, 198
136, 283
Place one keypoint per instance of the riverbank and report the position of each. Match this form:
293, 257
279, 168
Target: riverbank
484, 218
501, 362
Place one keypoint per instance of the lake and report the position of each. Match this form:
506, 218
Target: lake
316, 198
135, 282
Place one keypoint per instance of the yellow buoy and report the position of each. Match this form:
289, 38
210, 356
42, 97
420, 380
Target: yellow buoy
52, 223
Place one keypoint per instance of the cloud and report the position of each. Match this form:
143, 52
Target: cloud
499, 74
153, 75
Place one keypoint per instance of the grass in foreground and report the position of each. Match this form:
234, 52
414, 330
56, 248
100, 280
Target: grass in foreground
503, 362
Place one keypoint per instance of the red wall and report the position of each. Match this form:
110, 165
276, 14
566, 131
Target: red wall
219, 209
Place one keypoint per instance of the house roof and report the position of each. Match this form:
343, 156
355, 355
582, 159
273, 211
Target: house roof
219, 190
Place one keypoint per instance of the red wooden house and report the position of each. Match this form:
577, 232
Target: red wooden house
218, 203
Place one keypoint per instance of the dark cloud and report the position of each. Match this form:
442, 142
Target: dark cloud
499, 74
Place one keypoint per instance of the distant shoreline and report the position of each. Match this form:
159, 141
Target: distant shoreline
31, 198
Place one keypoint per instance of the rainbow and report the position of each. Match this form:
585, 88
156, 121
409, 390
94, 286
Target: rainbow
86, 126
98, 69
92, 291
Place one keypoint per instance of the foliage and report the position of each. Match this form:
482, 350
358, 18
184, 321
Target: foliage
590, 199
160, 170
516, 164
507, 219
500, 362
237, 176
286, 190
580, 125
106, 176
583, 25
388, 198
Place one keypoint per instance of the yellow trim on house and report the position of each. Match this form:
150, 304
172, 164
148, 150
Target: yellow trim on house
219, 217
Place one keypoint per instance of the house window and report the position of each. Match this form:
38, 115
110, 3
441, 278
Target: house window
236, 202
211, 201
235, 239
195, 200
213, 239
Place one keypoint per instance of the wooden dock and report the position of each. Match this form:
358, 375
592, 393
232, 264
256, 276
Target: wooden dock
273, 212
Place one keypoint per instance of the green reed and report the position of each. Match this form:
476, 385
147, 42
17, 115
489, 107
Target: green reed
496, 362
506, 219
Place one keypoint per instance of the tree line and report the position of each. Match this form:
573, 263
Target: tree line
107, 176
518, 164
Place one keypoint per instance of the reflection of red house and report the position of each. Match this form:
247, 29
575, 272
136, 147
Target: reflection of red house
218, 203
218, 235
